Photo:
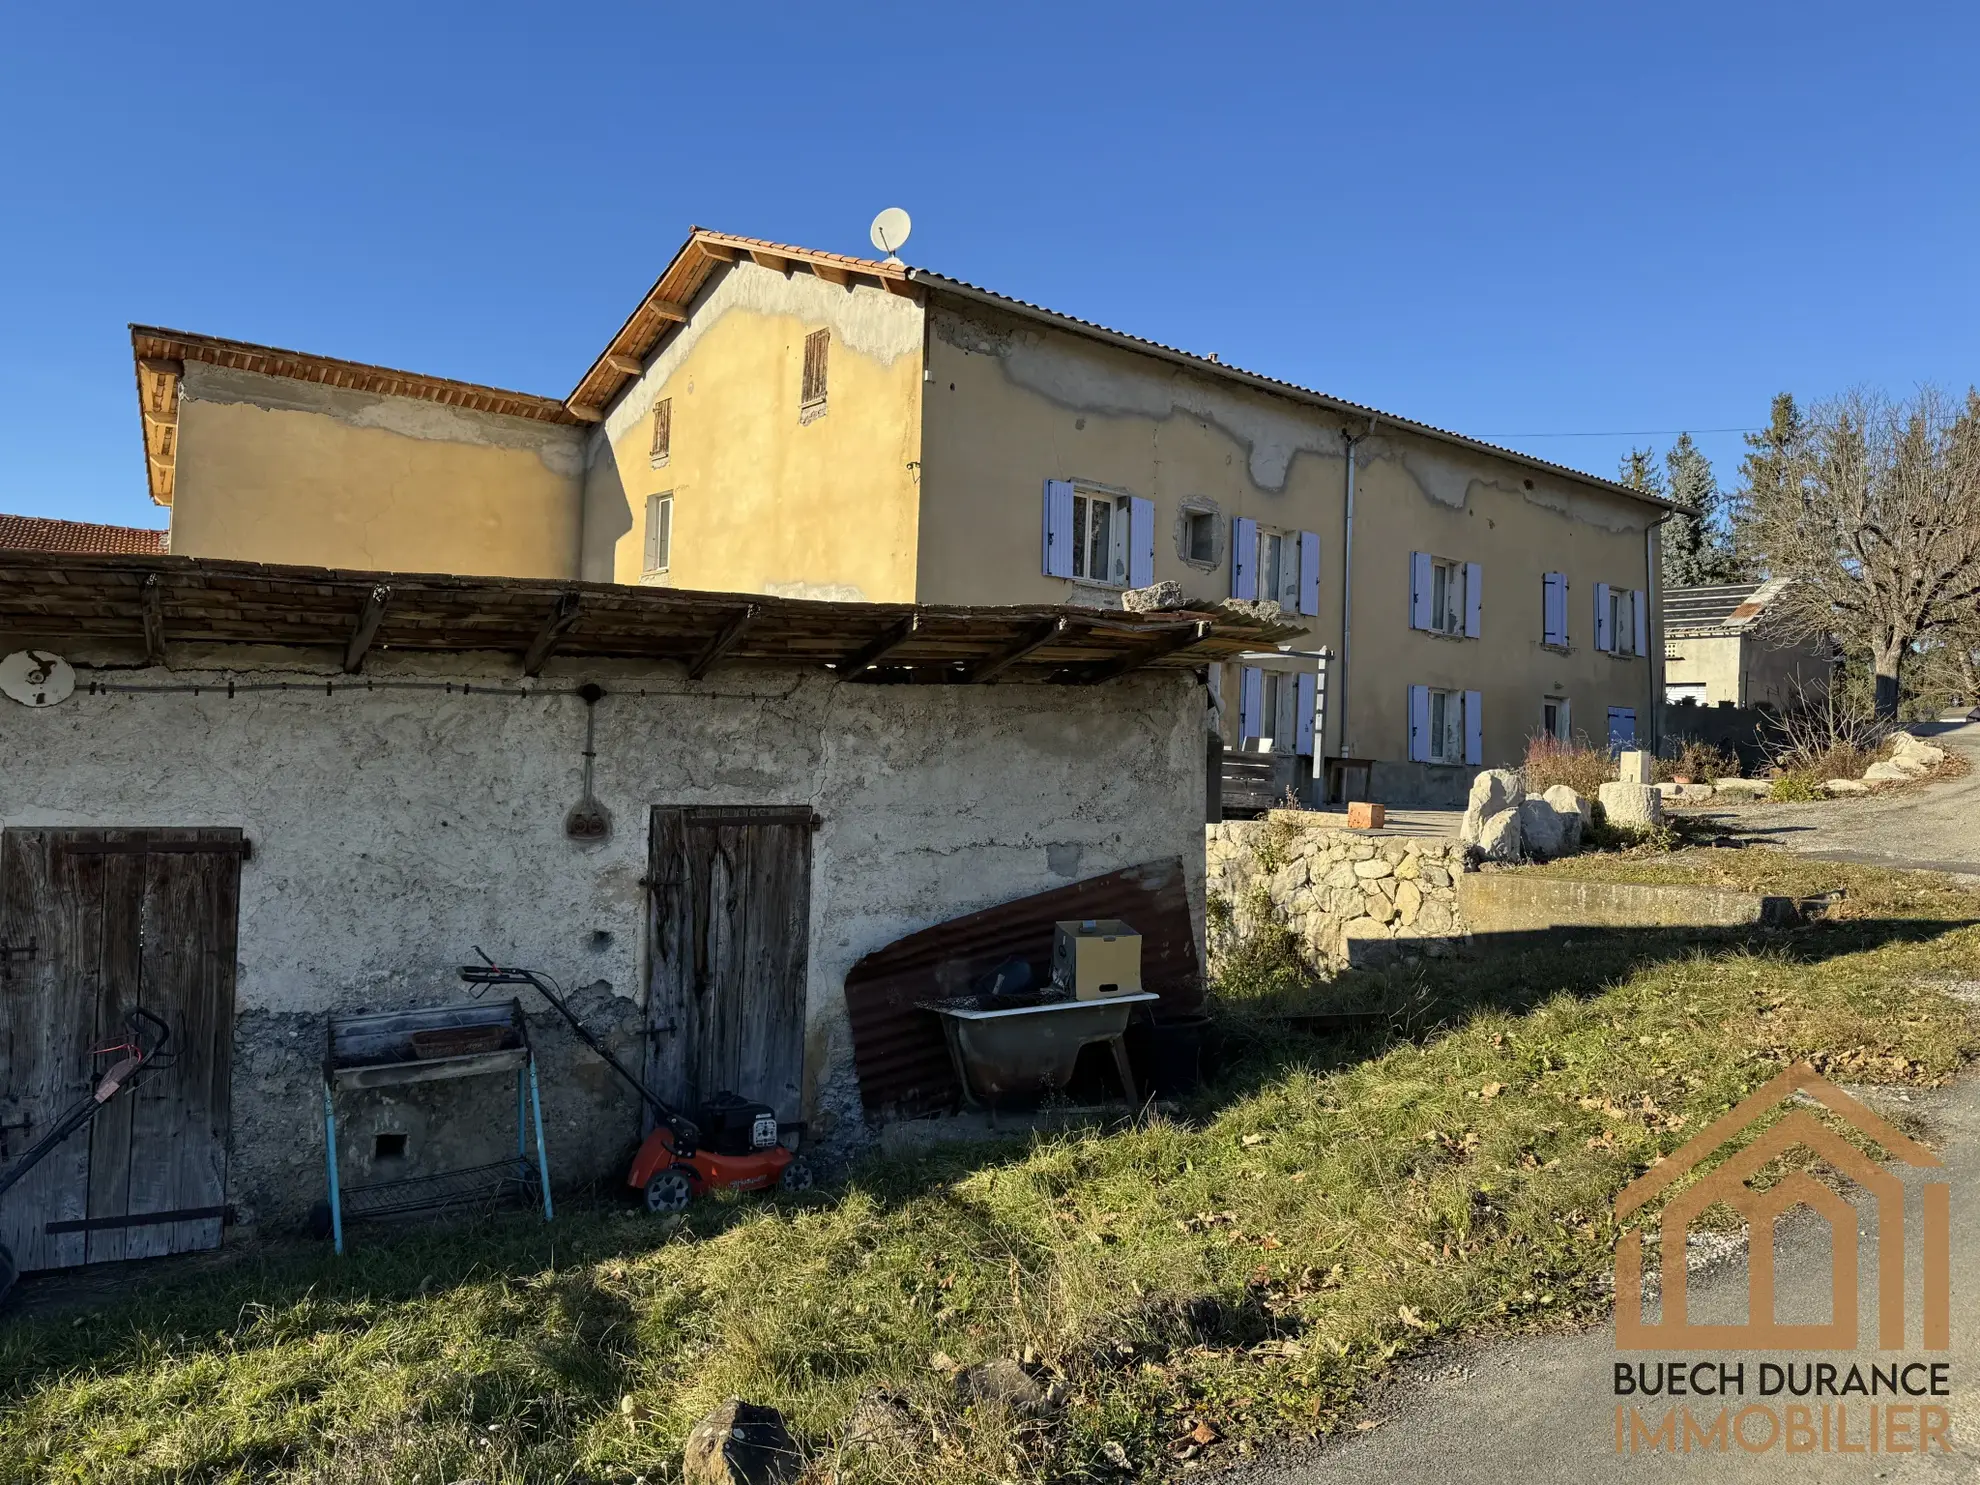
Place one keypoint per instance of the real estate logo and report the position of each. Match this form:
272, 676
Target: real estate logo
1851, 1408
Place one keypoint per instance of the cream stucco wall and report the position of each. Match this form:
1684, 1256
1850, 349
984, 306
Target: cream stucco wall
765, 500
1748, 668
1011, 404
276, 470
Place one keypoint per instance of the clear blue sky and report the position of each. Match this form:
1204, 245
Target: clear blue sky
1507, 219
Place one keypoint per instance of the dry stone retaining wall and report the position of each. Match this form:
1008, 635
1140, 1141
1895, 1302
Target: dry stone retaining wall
1351, 896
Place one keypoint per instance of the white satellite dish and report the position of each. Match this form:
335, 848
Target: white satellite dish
889, 230
37, 678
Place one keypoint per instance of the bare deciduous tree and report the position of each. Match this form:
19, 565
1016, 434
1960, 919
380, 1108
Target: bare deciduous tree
1878, 522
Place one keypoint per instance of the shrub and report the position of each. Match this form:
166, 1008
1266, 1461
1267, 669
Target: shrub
1579, 764
1699, 761
1803, 786
1825, 737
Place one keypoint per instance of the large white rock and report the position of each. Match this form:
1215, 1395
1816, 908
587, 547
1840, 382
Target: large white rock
1500, 840
1910, 745
1632, 806
1847, 786
1635, 767
1889, 773
1493, 791
1755, 788
1575, 814
1542, 828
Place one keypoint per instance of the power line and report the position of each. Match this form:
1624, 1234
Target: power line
1622, 433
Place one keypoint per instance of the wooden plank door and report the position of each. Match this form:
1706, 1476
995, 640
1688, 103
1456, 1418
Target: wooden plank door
729, 943
120, 919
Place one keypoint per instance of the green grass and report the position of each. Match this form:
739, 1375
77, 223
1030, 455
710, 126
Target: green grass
1330, 1206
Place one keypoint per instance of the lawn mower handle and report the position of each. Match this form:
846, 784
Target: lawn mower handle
492, 973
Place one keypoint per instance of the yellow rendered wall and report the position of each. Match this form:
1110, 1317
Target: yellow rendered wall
766, 500
271, 470
1010, 404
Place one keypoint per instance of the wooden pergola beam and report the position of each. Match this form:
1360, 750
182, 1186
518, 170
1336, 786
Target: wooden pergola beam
366, 629
879, 647
725, 640
1180, 638
563, 614
152, 601
1035, 638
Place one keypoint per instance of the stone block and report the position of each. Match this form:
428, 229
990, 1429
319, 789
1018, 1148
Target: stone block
1888, 773
1542, 828
1496, 789
1635, 767
1409, 901
1847, 786
1374, 866
1752, 788
1363, 816
1500, 839
1632, 806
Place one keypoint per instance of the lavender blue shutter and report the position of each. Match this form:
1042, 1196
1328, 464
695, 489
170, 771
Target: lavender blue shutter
1303, 722
1419, 590
1474, 599
1309, 572
1251, 699
1244, 558
1419, 724
1604, 640
1058, 538
1640, 608
1141, 542
1474, 727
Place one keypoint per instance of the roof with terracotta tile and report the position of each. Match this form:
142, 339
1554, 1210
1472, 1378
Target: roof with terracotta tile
44, 534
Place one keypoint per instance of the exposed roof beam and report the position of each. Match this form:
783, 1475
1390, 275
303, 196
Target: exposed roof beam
883, 644
366, 630
832, 274
776, 261
630, 365
152, 599
586, 413
1180, 638
898, 286
1036, 638
721, 252
729, 636
563, 614
666, 309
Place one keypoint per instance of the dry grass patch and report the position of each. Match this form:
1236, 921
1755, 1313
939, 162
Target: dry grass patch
1236, 1273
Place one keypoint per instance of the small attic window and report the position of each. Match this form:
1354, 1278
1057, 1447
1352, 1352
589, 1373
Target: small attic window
663, 431
817, 349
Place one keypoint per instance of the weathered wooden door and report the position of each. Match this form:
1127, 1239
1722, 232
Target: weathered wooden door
96, 923
729, 940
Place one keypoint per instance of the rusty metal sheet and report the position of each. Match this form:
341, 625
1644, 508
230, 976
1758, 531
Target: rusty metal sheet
898, 1051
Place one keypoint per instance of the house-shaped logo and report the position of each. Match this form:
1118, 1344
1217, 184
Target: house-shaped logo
1728, 1184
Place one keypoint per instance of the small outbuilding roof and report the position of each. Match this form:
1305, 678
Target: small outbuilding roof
1719, 607
46, 534
155, 602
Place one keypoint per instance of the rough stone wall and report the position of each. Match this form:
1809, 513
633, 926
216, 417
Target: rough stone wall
1352, 897
397, 824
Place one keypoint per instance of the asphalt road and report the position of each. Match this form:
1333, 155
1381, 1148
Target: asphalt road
1542, 1411
1936, 826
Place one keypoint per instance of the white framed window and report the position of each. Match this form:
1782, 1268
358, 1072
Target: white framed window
1622, 620
1098, 536
1446, 726
659, 533
1555, 721
1276, 710
1271, 562
1445, 596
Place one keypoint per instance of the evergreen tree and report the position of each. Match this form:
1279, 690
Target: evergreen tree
1639, 471
1697, 549
1765, 473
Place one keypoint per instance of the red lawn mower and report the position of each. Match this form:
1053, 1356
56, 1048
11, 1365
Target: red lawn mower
731, 1145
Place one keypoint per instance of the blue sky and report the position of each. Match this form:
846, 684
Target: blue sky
1510, 220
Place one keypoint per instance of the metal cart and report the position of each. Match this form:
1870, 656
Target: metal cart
382, 1049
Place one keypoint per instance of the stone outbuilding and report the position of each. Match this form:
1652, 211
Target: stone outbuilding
250, 796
